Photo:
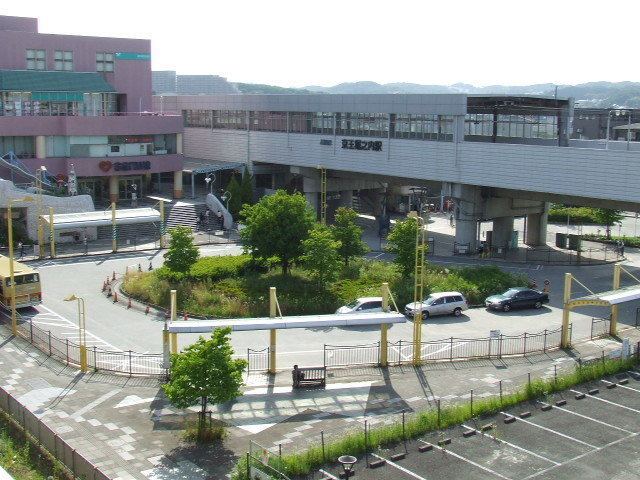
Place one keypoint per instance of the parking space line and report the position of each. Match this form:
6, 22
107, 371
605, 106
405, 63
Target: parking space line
471, 462
534, 454
597, 449
592, 419
608, 401
402, 469
625, 387
327, 474
552, 431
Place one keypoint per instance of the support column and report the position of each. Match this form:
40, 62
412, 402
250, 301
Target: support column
537, 227
468, 207
613, 325
179, 143
113, 188
41, 147
384, 328
502, 232
193, 185
346, 198
565, 341
272, 333
467, 232
177, 184
52, 234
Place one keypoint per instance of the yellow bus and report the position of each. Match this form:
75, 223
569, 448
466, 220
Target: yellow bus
28, 289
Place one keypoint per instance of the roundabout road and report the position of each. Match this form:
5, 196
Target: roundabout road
113, 326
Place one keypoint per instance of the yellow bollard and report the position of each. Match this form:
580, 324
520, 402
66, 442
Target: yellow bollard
613, 325
565, 340
272, 333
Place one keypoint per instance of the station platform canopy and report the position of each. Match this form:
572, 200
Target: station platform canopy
97, 218
616, 297
199, 165
284, 323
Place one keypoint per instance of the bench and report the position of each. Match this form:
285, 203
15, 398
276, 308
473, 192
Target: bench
308, 376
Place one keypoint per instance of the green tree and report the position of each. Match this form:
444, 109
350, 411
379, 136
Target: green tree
402, 242
235, 192
246, 187
206, 373
182, 253
321, 256
349, 234
276, 226
608, 217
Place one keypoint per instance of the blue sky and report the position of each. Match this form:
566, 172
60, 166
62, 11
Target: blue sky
296, 43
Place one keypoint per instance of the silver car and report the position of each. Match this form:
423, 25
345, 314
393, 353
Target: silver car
362, 305
441, 303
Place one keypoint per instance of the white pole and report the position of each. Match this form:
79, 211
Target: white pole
608, 125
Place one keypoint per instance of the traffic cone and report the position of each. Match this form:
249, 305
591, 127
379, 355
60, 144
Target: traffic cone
129, 303
109, 292
115, 297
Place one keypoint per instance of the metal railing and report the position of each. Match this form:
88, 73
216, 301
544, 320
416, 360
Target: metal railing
341, 356
600, 327
258, 360
98, 359
70, 109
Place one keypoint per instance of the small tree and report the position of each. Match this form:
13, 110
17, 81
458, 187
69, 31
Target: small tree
608, 217
206, 373
402, 242
276, 226
349, 234
321, 254
235, 201
246, 187
182, 253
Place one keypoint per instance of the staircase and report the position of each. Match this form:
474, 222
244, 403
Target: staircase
355, 203
188, 215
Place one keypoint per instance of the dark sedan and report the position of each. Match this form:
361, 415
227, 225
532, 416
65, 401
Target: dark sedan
517, 298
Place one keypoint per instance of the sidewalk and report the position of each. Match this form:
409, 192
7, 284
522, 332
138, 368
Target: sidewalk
126, 428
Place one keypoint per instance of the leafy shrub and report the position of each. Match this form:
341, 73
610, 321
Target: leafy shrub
216, 268
633, 242
584, 215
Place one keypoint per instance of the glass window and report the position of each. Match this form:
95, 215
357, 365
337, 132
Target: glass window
63, 60
36, 59
104, 62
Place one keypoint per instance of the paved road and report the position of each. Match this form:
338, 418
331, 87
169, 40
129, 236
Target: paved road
113, 326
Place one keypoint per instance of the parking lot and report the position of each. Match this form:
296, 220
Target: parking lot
593, 435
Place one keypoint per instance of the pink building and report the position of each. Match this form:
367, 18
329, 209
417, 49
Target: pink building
84, 104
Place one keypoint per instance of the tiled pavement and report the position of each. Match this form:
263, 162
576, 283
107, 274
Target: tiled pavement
126, 427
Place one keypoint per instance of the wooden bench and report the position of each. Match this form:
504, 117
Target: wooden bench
308, 376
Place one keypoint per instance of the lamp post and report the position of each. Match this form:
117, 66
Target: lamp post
82, 331
14, 320
40, 173
348, 462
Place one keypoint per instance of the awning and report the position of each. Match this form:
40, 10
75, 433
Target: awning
128, 216
53, 81
616, 297
199, 165
278, 323
57, 96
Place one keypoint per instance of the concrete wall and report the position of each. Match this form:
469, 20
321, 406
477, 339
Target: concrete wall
604, 174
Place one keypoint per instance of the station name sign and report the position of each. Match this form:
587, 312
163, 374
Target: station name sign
375, 145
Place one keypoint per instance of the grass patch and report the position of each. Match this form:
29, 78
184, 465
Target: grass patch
23, 458
233, 289
213, 432
583, 215
303, 463
633, 242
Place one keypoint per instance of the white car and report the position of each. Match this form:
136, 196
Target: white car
441, 303
362, 305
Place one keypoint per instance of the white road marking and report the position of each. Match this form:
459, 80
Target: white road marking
95, 403
402, 469
471, 462
327, 474
592, 419
609, 402
552, 431
626, 387
513, 445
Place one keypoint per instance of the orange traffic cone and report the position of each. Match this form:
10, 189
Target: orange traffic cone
104, 286
114, 275
109, 292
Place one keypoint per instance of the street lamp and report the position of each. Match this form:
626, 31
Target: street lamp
14, 320
82, 331
210, 180
40, 173
347, 461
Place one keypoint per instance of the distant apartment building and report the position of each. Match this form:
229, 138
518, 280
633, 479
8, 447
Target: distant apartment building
83, 105
167, 82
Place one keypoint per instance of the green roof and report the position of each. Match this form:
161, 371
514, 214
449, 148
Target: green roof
46, 81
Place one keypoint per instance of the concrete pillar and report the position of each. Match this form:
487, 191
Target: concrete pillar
41, 147
537, 227
468, 208
179, 143
177, 184
467, 233
113, 188
502, 231
313, 201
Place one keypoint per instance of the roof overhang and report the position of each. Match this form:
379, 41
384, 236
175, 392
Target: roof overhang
63, 221
613, 297
198, 165
284, 323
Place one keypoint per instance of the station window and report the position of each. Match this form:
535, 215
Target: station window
104, 62
63, 60
36, 59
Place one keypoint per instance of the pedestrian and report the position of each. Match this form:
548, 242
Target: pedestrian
621, 248
84, 242
219, 215
21, 248
139, 267
201, 219
150, 266
451, 220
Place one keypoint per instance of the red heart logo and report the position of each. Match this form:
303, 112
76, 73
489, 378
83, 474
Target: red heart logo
105, 165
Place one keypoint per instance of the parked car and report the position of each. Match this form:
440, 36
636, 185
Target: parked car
441, 303
362, 305
518, 297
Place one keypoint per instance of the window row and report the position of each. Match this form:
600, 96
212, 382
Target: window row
63, 60
23, 104
514, 126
